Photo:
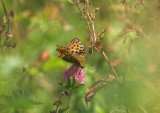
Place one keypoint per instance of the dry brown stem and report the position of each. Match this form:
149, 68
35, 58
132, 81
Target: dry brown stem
111, 66
90, 20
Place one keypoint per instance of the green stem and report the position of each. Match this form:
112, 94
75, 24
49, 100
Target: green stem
70, 92
2, 50
56, 109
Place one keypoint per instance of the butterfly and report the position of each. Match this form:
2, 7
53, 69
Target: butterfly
73, 52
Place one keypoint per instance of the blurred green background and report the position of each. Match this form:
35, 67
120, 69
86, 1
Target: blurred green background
31, 71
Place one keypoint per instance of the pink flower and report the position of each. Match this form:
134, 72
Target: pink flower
77, 72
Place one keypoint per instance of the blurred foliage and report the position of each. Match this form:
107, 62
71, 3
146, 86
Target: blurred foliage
29, 75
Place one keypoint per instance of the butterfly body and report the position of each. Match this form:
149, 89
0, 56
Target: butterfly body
73, 52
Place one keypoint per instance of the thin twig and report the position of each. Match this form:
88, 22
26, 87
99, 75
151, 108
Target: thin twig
69, 97
71, 2
94, 34
2, 52
110, 65
142, 108
137, 27
2, 48
85, 17
5, 11
93, 29
57, 109
92, 22
91, 18
91, 4
7, 18
144, 5
11, 94
135, 4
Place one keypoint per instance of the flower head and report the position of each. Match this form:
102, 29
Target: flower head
77, 72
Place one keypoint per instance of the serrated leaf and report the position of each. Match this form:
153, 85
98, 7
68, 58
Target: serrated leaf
96, 86
100, 35
92, 90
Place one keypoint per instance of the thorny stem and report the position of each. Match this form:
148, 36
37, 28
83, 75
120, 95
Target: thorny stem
110, 65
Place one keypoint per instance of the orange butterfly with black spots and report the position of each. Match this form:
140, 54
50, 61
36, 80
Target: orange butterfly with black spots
73, 52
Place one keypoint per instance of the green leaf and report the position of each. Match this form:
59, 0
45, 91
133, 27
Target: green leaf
64, 85
63, 110
79, 86
133, 35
